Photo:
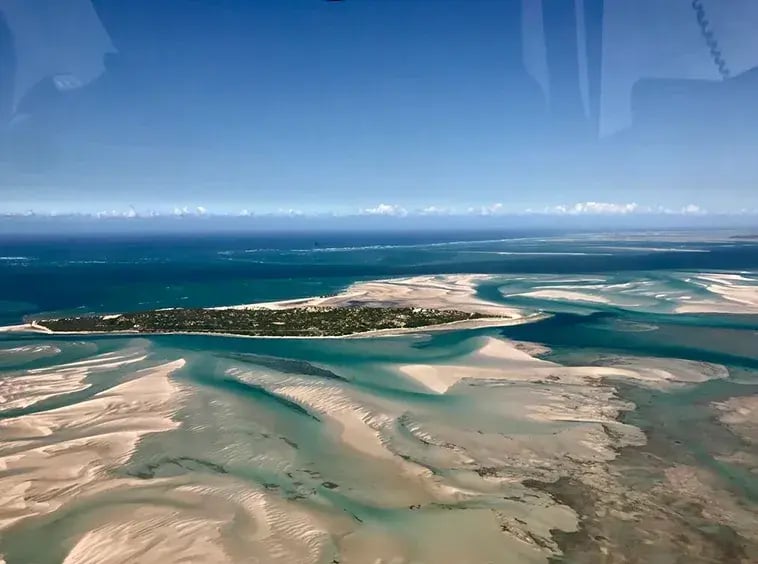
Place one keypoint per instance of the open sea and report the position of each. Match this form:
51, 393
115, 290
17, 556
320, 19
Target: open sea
250, 462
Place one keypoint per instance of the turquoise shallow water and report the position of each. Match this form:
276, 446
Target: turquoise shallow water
244, 419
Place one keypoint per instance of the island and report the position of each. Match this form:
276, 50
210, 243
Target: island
310, 321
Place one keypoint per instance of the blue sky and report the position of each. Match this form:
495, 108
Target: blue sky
394, 105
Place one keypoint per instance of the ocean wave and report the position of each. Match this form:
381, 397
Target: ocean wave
655, 249
543, 253
379, 247
338, 249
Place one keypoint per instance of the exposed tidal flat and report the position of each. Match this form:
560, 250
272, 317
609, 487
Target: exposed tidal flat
613, 433
217, 457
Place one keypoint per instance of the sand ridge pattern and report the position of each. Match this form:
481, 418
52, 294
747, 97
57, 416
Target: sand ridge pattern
459, 448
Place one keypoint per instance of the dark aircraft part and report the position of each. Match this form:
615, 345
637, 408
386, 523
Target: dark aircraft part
710, 39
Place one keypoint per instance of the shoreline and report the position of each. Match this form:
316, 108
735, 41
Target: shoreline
432, 292
466, 324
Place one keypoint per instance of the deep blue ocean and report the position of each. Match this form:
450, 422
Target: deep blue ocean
46, 274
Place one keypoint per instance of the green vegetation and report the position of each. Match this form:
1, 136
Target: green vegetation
294, 322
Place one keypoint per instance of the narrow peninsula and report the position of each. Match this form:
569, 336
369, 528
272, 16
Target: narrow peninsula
310, 321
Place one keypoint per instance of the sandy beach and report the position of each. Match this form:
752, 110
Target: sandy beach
434, 292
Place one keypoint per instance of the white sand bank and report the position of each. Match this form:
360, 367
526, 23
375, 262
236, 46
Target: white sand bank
518, 365
565, 295
21, 328
55, 456
440, 378
38, 384
733, 294
434, 292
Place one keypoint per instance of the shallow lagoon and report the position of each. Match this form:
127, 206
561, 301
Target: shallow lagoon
297, 450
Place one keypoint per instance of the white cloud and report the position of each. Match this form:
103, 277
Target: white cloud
613, 208
290, 212
434, 210
397, 211
187, 211
385, 209
127, 214
492, 209
689, 209
596, 208
692, 209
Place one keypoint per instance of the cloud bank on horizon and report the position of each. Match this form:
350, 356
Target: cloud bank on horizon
396, 211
